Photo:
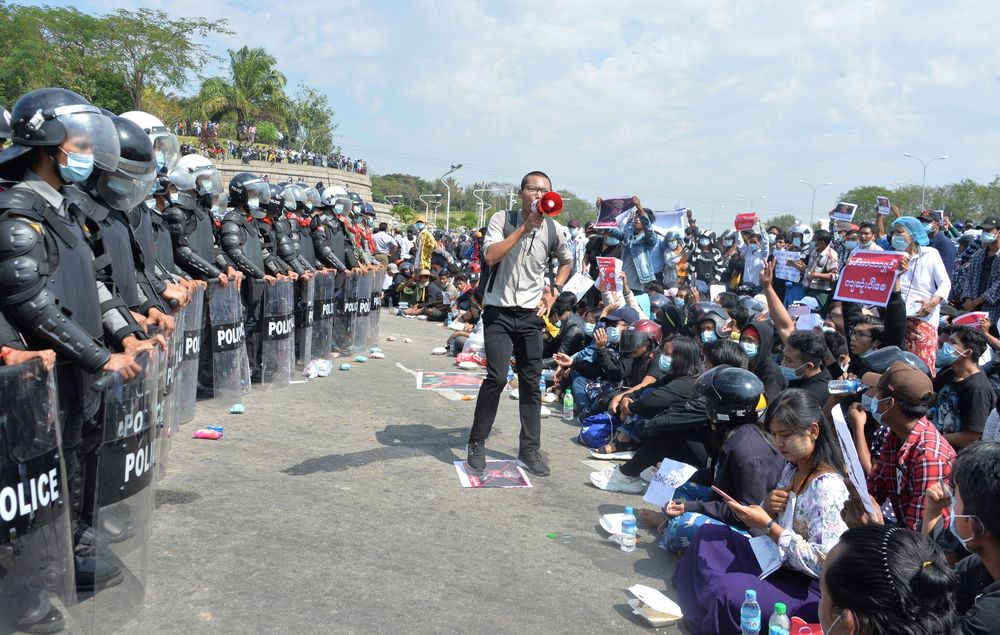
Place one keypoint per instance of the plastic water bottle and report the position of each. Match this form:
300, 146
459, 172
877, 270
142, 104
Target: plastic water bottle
750, 614
846, 386
628, 534
779, 623
510, 379
541, 387
568, 405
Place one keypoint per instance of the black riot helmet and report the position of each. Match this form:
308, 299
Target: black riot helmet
733, 396
275, 200
249, 192
879, 360
132, 181
56, 117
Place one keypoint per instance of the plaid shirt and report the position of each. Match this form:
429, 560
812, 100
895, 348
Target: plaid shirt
970, 284
905, 469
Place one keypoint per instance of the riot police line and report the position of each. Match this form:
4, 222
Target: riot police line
154, 285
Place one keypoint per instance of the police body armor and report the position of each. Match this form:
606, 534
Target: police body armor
36, 551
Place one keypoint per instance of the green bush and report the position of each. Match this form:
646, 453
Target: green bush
267, 133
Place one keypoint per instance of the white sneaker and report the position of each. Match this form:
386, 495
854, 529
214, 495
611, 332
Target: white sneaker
614, 481
648, 473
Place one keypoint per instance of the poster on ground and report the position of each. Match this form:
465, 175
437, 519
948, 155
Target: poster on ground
868, 277
445, 380
498, 474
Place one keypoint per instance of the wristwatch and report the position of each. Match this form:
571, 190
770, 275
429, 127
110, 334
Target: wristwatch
768, 526
557, 287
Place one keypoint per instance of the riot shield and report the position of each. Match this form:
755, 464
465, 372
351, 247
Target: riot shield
229, 360
36, 547
278, 327
123, 501
378, 277
323, 309
363, 304
305, 297
187, 383
340, 338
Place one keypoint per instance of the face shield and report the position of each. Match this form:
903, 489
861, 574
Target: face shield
632, 341
128, 186
89, 136
294, 196
165, 148
313, 198
208, 181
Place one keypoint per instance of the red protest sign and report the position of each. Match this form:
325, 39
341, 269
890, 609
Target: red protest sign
607, 274
868, 277
745, 222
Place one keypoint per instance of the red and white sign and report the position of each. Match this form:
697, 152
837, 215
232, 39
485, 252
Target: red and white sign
745, 222
607, 274
868, 277
971, 319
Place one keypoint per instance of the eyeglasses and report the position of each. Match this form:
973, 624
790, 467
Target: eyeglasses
534, 189
859, 334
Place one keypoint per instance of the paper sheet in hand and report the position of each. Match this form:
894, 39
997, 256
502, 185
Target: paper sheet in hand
669, 222
578, 284
715, 289
783, 270
882, 203
768, 555
670, 476
843, 211
607, 274
611, 210
854, 470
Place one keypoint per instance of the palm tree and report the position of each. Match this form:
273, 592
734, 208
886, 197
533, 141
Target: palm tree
255, 89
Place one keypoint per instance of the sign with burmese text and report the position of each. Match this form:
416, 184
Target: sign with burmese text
868, 277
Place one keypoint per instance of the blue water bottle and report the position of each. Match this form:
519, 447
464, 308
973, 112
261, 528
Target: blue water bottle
750, 614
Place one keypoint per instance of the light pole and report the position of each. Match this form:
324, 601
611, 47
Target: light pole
923, 178
427, 199
753, 200
812, 208
447, 209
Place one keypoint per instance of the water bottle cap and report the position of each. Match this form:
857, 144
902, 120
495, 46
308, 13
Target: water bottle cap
628, 510
780, 608
751, 595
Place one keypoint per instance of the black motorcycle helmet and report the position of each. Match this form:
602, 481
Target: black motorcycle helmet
246, 187
879, 360
733, 396
47, 117
274, 202
132, 181
708, 311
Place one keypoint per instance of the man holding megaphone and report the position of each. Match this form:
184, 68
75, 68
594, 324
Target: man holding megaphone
518, 247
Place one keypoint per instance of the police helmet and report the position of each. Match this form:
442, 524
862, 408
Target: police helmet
294, 197
733, 396
249, 191
165, 146
132, 182
275, 201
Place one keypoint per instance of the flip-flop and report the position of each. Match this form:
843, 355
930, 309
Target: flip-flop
620, 455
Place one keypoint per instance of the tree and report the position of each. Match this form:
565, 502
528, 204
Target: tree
253, 90
149, 48
267, 133
311, 124
404, 213
785, 222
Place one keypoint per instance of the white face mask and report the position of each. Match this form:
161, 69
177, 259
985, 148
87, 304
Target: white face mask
175, 196
151, 203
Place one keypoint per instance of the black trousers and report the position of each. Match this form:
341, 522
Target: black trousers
506, 331
686, 446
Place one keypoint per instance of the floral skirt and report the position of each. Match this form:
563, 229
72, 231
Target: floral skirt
922, 340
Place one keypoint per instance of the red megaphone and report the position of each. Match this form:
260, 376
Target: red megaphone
549, 205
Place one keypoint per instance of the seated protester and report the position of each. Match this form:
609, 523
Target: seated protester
964, 393
882, 580
572, 336
471, 318
465, 292
709, 322
802, 516
678, 364
745, 464
736, 310
598, 368
425, 297
838, 357
725, 353
803, 366
975, 522
678, 432
444, 281
757, 340
914, 454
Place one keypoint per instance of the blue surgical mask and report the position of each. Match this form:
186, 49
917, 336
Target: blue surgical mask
850, 244
727, 243
151, 203
707, 337
987, 238
899, 243
253, 204
954, 530
704, 242
791, 374
754, 248
666, 362
751, 349
812, 244
589, 327
78, 167
866, 402
614, 335
671, 244
420, 227
160, 161
797, 242
771, 238
873, 409
557, 324
947, 355
175, 196
573, 231
611, 241
679, 303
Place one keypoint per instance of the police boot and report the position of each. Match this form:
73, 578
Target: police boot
40, 616
92, 574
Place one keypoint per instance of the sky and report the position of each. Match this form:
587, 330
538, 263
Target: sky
683, 103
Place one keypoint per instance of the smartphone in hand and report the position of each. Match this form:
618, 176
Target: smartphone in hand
726, 497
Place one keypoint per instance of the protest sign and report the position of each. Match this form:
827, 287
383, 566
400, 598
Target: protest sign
745, 222
868, 277
578, 284
607, 274
671, 222
843, 211
783, 269
611, 211
882, 203
970, 319
498, 474
671, 475
854, 470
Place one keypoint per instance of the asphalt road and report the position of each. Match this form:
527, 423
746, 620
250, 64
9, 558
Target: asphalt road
333, 507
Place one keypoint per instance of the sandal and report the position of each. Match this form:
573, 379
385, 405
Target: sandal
615, 451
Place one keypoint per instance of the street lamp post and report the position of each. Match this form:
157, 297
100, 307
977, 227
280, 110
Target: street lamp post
447, 209
812, 207
923, 178
753, 200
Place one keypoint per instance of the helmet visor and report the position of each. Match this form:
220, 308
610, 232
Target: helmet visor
124, 190
632, 341
208, 181
259, 191
94, 134
165, 147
